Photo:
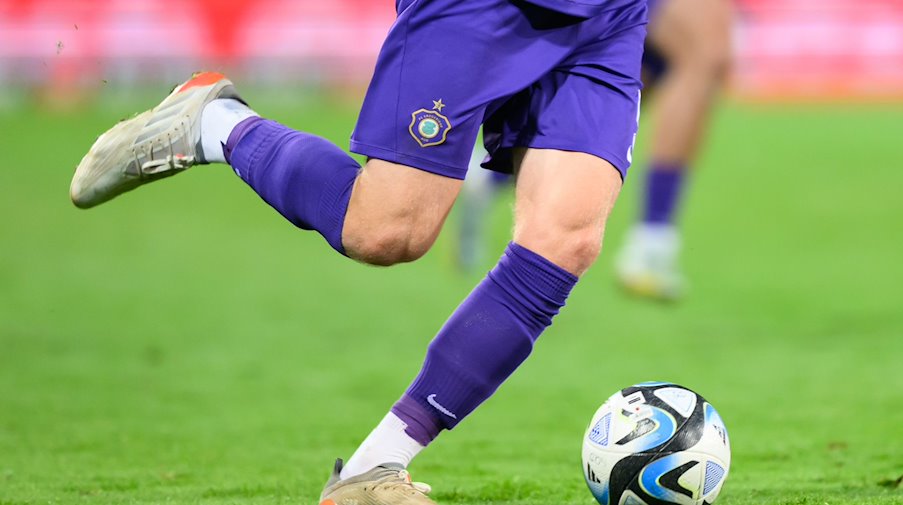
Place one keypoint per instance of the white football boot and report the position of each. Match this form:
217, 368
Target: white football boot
388, 484
647, 265
152, 145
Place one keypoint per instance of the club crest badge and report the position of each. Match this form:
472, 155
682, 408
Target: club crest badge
430, 127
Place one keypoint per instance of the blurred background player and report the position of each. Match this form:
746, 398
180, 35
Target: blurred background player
688, 51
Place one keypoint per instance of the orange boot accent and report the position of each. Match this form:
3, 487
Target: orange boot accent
202, 79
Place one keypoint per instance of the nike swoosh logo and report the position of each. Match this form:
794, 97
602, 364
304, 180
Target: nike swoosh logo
431, 400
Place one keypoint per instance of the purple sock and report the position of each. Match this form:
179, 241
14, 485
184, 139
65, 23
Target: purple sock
305, 178
663, 189
490, 334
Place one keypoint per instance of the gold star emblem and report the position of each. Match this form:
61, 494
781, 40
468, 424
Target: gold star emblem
437, 105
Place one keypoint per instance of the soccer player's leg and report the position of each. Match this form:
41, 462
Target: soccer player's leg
692, 38
382, 213
568, 131
563, 200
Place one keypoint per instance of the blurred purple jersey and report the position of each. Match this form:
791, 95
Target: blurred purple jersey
534, 77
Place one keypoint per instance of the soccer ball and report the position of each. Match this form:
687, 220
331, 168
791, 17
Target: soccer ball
656, 443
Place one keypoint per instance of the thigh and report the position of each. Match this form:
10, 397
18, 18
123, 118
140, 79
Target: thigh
442, 64
562, 202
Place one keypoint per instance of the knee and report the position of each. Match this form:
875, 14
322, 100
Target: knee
715, 60
704, 59
574, 250
388, 245
395, 213
581, 252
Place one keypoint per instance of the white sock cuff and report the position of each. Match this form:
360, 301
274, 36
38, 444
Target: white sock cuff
218, 119
387, 443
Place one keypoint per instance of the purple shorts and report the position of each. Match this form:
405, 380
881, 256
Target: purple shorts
532, 76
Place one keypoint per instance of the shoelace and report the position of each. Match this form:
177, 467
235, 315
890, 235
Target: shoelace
172, 161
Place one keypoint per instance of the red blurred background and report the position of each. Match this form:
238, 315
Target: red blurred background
794, 49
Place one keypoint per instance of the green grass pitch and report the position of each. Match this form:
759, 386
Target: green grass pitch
183, 344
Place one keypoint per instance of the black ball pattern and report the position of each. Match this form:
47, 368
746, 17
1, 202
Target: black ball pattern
689, 431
